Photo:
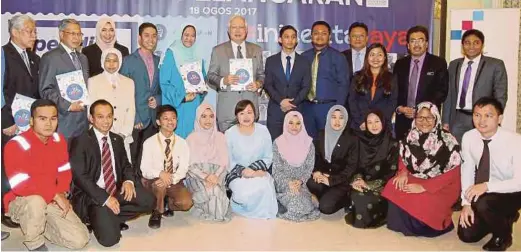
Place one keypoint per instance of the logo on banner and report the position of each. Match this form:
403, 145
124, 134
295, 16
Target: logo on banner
74, 91
193, 78
161, 31
377, 3
21, 117
466, 25
244, 76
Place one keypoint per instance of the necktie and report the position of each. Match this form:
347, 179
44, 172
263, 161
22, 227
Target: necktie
106, 164
466, 81
288, 67
169, 163
239, 53
358, 62
413, 85
75, 60
26, 61
314, 73
483, 172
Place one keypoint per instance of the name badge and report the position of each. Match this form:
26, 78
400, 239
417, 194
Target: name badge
430, 73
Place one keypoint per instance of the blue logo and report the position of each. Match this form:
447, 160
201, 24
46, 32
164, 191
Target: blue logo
74, 92
243, 75
21, 117
193, 78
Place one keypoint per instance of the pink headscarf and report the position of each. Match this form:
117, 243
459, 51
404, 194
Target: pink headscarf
102, 44
207, 145
294, 148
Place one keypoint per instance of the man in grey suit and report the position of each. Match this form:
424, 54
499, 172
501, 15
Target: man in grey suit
63, 59
220, 78
471, 78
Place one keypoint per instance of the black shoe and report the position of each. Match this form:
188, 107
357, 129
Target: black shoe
123, 227
349, 218
41, 248
168, 213
6, 221
498, 244
155, 220
89, 227
5, 235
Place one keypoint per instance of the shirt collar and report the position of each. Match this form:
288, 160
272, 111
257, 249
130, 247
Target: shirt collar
18, 49
495, 136
67, 49
475, 60
99, 135
243, 44
362, 52
163, 138
284, 55
419, 58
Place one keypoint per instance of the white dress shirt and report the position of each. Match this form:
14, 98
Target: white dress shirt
69, 51
235, 49
283, 56
473, 72
362, 58
18, 49
152, 161
99, 136
505, 161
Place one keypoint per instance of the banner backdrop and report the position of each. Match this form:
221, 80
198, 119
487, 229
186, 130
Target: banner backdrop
388, 21
501, 30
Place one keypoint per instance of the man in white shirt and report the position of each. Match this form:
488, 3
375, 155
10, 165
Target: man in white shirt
490, 178
164, 165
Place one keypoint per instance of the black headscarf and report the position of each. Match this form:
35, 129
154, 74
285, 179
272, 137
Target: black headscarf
374, 148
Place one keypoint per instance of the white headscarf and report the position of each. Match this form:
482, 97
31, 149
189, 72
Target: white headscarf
113, 78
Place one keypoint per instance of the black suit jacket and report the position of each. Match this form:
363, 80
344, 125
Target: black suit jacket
18, 80
344, 159
349, 57
93, 53
278, 88
85, 158
432, 86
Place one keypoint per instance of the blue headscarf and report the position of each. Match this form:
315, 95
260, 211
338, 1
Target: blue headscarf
183, 54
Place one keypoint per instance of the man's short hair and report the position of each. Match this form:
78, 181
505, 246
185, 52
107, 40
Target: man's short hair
17, 22
324, 23
42, 103
418, 28
65, 22
488, 100
358, 24
145, 25
284, 29
163, 109
474, 32
101, 102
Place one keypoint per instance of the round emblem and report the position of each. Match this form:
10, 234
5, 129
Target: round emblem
244, 76
21, 117
193, 78
74, 92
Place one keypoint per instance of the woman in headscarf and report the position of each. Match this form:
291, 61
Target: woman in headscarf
335, 162
377, 163
119, 91
427, 183
251, 154
173, 90
105, 39
293, 161
208, 167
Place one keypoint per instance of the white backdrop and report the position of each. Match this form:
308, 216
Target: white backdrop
501, 29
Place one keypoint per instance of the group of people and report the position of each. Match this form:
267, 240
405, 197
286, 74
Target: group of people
146, 145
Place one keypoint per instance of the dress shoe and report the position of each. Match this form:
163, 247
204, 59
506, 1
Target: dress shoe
5, 235
349, 218
6, 221
89, 227
41, 248
498, 244
155, 220
168, 213
123, 227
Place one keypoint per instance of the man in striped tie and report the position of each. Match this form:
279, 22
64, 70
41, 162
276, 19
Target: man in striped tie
105, 191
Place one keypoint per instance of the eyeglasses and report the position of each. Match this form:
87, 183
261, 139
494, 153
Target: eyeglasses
74, 34
417, 41
30, 32
357, 37
423, 118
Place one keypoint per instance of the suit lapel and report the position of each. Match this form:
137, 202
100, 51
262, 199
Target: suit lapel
97, 153
249, 53
66, 58
482, 63
15, 55
229, 50
143, 66
421, 81
280, 67
349, 58
113, 141
457, 75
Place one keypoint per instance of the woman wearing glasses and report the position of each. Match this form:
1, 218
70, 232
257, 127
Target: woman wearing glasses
427, 183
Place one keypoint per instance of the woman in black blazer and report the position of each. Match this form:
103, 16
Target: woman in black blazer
373, 87
105, 38
335, 162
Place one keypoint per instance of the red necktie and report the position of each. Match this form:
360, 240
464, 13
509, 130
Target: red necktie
106, 164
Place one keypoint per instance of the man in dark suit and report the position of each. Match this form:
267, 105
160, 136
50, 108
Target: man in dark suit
421, 77
358, 37
287, 82
20, 76
64, 59
470, 78
105, 192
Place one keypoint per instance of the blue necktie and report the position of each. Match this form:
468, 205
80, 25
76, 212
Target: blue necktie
466, 81
288, 67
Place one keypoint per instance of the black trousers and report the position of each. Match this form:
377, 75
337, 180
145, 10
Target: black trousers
136, 147
493, 213
106, 225
330, 199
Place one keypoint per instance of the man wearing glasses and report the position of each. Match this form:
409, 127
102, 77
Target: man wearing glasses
20, 77
64, 59
358, 40
421, 77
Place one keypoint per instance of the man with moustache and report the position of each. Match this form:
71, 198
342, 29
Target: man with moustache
470, 78
421, 77
330, 79
287, 82
220, 78
20, 76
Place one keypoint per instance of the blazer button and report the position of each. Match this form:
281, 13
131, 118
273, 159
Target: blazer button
115, 119
115, 107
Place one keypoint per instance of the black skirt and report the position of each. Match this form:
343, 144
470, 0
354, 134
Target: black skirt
400, 221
